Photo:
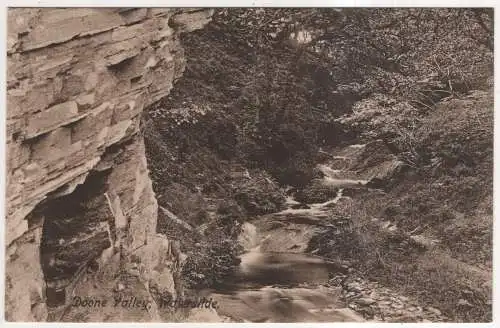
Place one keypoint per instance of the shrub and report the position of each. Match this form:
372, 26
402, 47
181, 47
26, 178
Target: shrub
213, 260
187, 205
395, 122
459, 131
384, 257
316, 192
259, 195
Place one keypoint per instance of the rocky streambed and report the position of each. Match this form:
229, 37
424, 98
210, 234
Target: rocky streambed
280, 279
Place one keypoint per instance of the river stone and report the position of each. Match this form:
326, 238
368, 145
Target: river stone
365, 301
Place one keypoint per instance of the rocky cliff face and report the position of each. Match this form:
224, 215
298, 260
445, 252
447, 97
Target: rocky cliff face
79, 199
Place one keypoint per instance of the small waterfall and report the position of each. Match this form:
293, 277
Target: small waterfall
248, 238
328, 171
338, 178
276, 280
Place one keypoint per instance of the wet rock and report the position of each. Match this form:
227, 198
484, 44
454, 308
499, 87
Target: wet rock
354, 286
379, 303
365, 301
350, 295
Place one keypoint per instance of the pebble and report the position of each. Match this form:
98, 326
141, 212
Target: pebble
379, 303
355, 289
434, 310
365, 301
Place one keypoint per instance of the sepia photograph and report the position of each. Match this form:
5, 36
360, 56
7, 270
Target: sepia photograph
259, 165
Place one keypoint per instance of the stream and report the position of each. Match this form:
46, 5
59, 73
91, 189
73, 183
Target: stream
276, 281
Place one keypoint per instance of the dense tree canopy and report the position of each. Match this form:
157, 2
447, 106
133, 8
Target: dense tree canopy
265, 88
273, 82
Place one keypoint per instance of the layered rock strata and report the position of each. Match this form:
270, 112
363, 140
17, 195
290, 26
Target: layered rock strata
79, 197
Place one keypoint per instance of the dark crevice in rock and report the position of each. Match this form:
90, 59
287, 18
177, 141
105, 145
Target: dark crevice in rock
75, 231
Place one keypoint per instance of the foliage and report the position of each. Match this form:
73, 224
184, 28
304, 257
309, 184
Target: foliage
212, 261
259, 195
455, 131
387, 257
411, 60
264, 88
460, 132
315, 192
447, 198
383, 117
188, 206
272, 93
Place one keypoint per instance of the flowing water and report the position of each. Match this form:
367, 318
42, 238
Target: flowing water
280, 280
276, 281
